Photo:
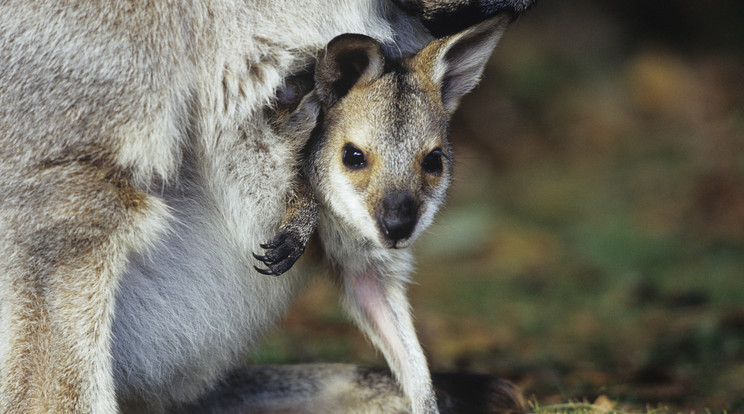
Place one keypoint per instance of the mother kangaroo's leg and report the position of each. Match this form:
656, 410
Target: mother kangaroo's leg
68, 225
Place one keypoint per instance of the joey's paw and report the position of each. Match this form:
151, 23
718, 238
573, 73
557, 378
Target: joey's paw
281, 253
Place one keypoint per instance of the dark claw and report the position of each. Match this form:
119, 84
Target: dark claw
267, 260
280, 239
268, 272
270, 245
282, 252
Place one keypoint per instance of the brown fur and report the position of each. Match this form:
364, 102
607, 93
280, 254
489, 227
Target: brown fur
68, 231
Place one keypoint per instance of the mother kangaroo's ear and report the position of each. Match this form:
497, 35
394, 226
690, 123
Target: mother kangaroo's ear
347, 60
455, 63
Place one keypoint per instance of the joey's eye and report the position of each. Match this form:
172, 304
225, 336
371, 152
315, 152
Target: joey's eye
353, 157
432, 163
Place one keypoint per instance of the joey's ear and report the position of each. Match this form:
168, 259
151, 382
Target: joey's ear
347, 60
455, 63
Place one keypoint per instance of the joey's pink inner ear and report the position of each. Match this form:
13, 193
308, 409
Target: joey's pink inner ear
347, 60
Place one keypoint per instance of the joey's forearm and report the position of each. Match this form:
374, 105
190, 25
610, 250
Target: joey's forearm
298, 225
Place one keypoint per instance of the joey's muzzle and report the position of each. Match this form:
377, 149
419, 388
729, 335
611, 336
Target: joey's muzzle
397, 216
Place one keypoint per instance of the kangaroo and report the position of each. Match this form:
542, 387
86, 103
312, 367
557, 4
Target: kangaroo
137, 173
416, 121
375, 170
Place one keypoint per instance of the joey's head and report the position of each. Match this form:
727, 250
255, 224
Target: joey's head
380, 159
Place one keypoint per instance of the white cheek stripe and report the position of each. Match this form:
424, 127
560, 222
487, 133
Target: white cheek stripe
346, 203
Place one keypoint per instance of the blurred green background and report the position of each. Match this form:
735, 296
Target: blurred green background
593, 243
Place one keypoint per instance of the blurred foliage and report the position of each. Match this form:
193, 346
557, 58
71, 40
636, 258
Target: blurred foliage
593, 243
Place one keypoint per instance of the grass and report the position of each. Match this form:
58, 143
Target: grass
602, 405
588, 408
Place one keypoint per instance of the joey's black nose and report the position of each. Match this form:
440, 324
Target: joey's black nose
398, 215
